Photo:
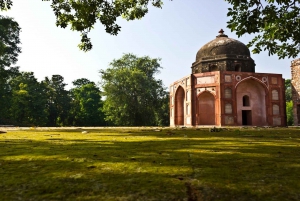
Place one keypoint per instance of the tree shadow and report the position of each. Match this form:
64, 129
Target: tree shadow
199, 166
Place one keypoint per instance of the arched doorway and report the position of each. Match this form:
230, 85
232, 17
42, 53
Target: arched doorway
179, 106
251, 103
206, 109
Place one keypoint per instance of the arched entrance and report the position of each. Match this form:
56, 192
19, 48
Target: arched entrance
179, 106
251, 103
206, 109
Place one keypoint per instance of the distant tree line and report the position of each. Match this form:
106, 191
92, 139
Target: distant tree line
132, 94
25, 101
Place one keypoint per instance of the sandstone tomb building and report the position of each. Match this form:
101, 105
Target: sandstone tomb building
225, 90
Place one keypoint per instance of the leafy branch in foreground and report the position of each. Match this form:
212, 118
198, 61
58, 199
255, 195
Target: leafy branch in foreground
275, 24
82, 15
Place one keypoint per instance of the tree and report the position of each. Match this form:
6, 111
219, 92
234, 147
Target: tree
9, 41
6, 75
289, 113
289, 102
9, 51
28, 102
80, 82
288, 90
134, 97
162, 114
275, 24
58, 105
86, 104
82, 15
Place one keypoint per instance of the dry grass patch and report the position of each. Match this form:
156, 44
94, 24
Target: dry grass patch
143, 164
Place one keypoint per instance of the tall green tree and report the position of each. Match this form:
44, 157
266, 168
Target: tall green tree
9, 51
288, 90
274, 23
289, 113
6, 75
28, 102
59, 101
82, 15
162, 114
289, 102
9, 41
133, 96
86, 104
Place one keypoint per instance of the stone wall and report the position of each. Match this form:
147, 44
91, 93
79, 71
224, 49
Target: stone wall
265, 93
295, 69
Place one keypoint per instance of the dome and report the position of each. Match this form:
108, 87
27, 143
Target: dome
223, 54
222, 45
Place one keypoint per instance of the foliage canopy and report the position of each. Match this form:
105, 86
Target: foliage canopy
87, 105
9, 41
274, 23
134, 97
81, 16
288, 90
289, 113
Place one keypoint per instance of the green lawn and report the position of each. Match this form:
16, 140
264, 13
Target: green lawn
143, 164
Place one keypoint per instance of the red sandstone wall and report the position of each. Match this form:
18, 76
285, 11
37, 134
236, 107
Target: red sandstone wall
231, 80
188, 107
257, 103
203, 85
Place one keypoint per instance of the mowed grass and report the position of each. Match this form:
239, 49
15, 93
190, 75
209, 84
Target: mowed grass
144, 164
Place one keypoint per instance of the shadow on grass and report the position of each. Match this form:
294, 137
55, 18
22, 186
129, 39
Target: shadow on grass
167, 165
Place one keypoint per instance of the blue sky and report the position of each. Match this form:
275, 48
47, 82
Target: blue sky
174, 33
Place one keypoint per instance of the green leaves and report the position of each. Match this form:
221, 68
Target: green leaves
87, 105
289, 113
133, 97
9, 41
58, 101
28, 100
275, 24
288, 90
5, 4
82, 15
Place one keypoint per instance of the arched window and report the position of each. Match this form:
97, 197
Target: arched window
228, 93
246, 101
228, 108
213, 68
275, 109
275, 95
238, 68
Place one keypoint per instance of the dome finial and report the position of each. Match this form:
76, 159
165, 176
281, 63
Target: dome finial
221, 34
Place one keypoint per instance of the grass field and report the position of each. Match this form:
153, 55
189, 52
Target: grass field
144, 164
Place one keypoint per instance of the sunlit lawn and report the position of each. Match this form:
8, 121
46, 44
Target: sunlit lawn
144, 164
